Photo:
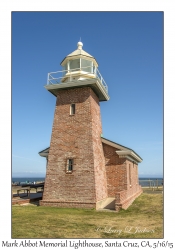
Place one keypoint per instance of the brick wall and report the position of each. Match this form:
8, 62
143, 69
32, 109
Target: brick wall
56, 203
99, 160
125, 198
78, 137
132, 170
116, 171
122, 178
98, 172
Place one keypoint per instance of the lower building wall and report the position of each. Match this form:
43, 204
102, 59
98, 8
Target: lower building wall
122, 178
56, 203
125, 198
116, 177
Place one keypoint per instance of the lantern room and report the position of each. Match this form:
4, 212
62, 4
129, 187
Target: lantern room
79, 65
79, 69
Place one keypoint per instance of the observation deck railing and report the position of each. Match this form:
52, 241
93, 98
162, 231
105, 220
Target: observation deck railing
87, 72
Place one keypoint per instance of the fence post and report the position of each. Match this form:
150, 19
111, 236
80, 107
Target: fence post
154, 184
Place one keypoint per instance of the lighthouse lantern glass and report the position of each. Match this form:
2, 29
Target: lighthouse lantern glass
87, 66
74, 64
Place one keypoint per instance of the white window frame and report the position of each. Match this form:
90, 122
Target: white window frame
72, 109
70, 162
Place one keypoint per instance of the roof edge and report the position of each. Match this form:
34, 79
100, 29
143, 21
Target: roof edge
79, 56
43, 150
123, 151
121, 147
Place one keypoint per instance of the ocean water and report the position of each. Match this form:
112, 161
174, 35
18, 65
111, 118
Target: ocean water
27, 179
144, 182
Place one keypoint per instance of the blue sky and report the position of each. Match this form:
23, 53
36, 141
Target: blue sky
128, 47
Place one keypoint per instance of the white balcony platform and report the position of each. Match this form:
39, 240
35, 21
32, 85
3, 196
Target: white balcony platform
77, 78
94, 83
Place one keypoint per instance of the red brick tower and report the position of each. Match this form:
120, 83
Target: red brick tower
76, 174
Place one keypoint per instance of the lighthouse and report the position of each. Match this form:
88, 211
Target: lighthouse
80, 162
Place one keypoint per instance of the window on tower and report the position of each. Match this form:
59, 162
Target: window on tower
72, 109
65, 69
74, 64
87, 66
69, 167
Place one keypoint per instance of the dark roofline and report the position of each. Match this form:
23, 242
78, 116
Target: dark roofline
122, 146
43, 150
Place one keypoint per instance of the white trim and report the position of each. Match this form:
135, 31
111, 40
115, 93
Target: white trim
77, 57
68, 65
44, 154
81, 83
128, 154
122, 151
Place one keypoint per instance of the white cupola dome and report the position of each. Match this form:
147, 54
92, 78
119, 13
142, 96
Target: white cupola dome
79, 45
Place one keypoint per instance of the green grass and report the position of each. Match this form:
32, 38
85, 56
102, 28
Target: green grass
143, 219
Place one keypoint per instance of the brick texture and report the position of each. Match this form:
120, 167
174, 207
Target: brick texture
78, 137
122, 178
98, 172
116, 171
125, 198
